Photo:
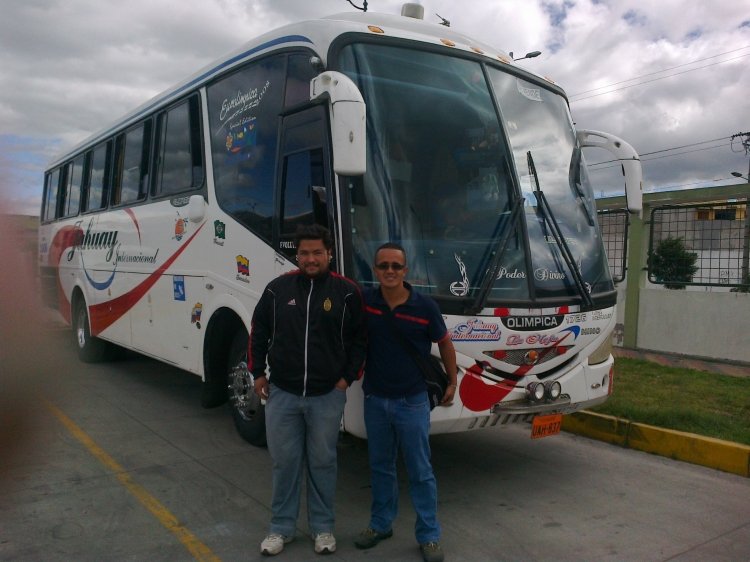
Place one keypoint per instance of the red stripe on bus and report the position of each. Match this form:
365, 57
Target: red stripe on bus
104, 314
135, 221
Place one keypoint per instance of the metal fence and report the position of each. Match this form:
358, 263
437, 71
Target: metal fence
614, 227
704, 245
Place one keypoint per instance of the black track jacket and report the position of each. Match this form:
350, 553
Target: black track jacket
311, 331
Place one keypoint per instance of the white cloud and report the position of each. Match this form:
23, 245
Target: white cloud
69, 68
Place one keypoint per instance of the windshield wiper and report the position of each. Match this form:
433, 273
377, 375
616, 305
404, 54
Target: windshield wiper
574, 179
557, 234
491, 274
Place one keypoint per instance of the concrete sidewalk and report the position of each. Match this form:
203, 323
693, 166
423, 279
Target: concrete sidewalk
689, 447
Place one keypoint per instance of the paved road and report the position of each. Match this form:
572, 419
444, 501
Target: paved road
119, 462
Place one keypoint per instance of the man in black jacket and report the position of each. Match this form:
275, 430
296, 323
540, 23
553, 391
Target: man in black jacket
309, 326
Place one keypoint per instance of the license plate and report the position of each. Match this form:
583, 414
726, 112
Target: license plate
544, 426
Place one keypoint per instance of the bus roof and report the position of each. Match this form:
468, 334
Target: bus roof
316, 35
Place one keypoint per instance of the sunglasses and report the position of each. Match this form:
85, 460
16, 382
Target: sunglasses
384, 266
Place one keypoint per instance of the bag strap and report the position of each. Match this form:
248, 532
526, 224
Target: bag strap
405, 343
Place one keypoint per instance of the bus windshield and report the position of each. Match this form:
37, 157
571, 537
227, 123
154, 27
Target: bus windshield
446, 167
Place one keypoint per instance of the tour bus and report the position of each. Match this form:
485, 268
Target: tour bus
159, 233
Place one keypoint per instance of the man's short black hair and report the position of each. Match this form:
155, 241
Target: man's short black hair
313, 232
391, 246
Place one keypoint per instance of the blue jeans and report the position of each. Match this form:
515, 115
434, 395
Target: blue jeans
393, 424
303, 430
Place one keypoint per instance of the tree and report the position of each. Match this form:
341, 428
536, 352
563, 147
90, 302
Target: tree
671, 263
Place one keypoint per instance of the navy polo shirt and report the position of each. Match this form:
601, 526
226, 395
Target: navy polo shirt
390, 371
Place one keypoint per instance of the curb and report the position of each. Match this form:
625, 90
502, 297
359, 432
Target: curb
678, 445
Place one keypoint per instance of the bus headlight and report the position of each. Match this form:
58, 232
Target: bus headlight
602, 353
536, 391
553, 389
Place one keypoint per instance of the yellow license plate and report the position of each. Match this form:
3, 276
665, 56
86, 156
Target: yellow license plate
544, 426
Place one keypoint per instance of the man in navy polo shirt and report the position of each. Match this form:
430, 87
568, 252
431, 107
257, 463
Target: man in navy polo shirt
397, 410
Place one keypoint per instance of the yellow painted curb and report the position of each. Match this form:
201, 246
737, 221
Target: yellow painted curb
679, 445
603, 428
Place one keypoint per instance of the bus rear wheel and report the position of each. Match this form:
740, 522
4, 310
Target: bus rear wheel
247, 410
90, 348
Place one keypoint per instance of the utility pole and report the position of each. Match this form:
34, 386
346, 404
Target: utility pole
745, 272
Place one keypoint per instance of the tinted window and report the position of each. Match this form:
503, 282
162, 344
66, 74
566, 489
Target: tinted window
243, 111
131, 177
74, 176
299, 74
97, 192
304, 188
50, 203
180, 164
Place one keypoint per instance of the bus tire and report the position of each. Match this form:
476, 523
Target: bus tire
248, 412
90, 349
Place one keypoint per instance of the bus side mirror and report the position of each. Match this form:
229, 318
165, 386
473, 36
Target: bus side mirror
347, 110
196, 208
627, 156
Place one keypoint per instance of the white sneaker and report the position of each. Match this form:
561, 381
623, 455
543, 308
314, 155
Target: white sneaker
325, 543
273, 544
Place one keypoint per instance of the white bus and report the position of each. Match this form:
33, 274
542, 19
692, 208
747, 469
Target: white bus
159, 233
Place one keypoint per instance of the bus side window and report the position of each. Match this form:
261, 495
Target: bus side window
98, 177
132, 164
74, 181
243, 113
298, 75
303, 196
303, 192
179, 165
51, 196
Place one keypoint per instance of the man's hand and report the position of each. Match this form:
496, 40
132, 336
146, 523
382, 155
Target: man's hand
342, 384
450, 392
261, 387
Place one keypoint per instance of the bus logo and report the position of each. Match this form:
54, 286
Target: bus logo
475, 330
243, 269
220, 230
195, 315
179, 228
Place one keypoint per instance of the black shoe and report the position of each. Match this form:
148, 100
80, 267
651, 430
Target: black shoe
370, 537
431, 552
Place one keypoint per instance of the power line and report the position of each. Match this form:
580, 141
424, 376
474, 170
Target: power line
657, 79
704, 182
660, 157
669, 150
658, 72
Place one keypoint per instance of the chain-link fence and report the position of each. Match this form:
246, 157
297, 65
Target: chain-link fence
704, 245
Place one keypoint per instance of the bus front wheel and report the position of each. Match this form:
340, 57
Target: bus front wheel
247, 410
90, 348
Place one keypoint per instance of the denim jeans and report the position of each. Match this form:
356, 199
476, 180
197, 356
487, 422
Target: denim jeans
393, 424
303, 431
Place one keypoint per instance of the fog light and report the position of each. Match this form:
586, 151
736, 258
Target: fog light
553, 390
536, 391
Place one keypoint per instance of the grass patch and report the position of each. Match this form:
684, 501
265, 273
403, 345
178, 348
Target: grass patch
708, 404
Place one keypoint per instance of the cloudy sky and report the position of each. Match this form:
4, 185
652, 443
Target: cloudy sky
671, 77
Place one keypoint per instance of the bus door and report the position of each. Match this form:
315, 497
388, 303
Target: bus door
304, 191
